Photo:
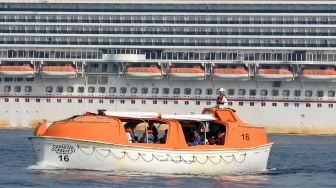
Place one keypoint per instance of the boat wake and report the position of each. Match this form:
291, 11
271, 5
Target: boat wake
43, 166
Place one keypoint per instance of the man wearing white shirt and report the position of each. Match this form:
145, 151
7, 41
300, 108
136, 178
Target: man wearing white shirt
222, 101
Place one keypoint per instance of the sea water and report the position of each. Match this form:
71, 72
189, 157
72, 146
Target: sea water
295, 161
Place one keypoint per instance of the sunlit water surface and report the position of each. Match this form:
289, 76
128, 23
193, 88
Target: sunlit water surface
295, 161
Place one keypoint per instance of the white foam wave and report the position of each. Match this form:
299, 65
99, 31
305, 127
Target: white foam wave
43, 166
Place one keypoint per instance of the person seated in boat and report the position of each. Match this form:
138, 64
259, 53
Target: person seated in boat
148, 137
130, 135
196, 140
152, 127
221, 137
222, 101
164, 137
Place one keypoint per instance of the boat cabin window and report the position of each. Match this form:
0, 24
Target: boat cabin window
165, 91
7, 88
213, 133
319, 93
285, 93
241, 92
112, 90
145, 131
49, 89
198, 91
297, 93
80, 89
28, 89
331, 93
70, 89
91, 89
208, 91
230, 91
155, 90
101, 89
17, 89
187, 91
144, 90
134, 90
263, 92
275, 92
253, 92
59, 89
123, 90
176, 91
308, 93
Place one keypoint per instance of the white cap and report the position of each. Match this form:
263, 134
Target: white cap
221, 89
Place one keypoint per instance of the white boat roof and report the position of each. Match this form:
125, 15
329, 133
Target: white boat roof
139, 115
133, 114
191, 117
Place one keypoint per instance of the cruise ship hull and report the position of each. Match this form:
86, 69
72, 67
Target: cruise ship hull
276, 59
277, 114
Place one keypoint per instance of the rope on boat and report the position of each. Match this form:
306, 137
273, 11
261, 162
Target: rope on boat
143, 158
109, 151
195, 158
130, 157
240, 155
216, 163
169, 157
161, 160
80, 147
228, 156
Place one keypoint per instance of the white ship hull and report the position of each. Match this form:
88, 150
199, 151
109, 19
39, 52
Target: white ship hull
186, 76
25, 74
221, 76
143, 75
76, 154
319, 78
57, 74
200, 35
281, 114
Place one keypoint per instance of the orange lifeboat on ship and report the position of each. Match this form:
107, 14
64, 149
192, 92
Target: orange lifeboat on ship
328, 74
195, 72
107, 141
237, 73
65, 71
152, 72
25, 70
275, 74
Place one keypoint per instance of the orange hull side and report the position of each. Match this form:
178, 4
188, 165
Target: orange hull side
101, 128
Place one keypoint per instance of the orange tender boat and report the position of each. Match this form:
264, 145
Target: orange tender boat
152, 72
275, 74
238, 73
25, 70
311, 74
107, 141
65, 71
195, 72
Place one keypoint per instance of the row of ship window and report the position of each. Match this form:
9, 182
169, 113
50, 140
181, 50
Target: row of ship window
301, 56
177, 91
189, 41
171, 30
177, 19
122, 101
172, 7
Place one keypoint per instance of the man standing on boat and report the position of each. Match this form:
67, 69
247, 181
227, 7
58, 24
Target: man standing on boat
222, 101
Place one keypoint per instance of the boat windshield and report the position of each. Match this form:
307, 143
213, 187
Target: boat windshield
145, 131
197, 133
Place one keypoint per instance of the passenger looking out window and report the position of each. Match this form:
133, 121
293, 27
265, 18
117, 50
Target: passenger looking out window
196, 140
164, 137
155, 131
147, 137
130, 135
